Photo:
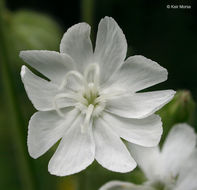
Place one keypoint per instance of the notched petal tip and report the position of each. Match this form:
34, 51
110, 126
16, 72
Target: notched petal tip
77, 44
111, 152
56, 172
62, 173
83, 27
111, 47
107, 18
67, 159
124, 169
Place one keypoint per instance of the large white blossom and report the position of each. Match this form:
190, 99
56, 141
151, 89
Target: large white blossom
89, 100
174, 167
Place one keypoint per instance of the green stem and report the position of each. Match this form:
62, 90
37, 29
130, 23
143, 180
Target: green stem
87, 13
87, 10
15, 116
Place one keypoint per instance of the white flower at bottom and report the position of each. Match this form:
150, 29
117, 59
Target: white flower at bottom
172, 168
120, 185
90, 100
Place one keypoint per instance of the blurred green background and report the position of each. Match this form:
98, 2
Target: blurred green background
168, 36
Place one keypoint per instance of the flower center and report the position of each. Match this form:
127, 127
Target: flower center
91, 94
87, 97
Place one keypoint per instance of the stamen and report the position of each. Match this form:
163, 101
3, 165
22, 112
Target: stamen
70, 73
87, 118
86, 99
110, 95
98, 109
96, 69
81, 99
93, 89
81, 107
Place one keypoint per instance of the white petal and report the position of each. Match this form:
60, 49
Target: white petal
50, 63
45, 129
178, 146
111, 47
119, 185
111, 152
146, 132
138, 73
148, 160
75, 152
187, 177
76, 43
40, 91
139, 105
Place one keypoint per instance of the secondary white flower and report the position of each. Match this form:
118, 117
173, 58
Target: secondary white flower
90, 100
120, 185
172, 168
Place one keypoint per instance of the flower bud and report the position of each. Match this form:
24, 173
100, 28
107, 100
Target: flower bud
180, 110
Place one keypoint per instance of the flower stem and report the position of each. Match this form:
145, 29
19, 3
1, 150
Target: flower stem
87, 13
14, 115
87, 10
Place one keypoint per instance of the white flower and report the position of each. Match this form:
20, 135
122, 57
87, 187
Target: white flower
90, 102
172, 168
120, 185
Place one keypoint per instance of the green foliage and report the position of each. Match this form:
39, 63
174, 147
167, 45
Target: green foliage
30, 30
20, 30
